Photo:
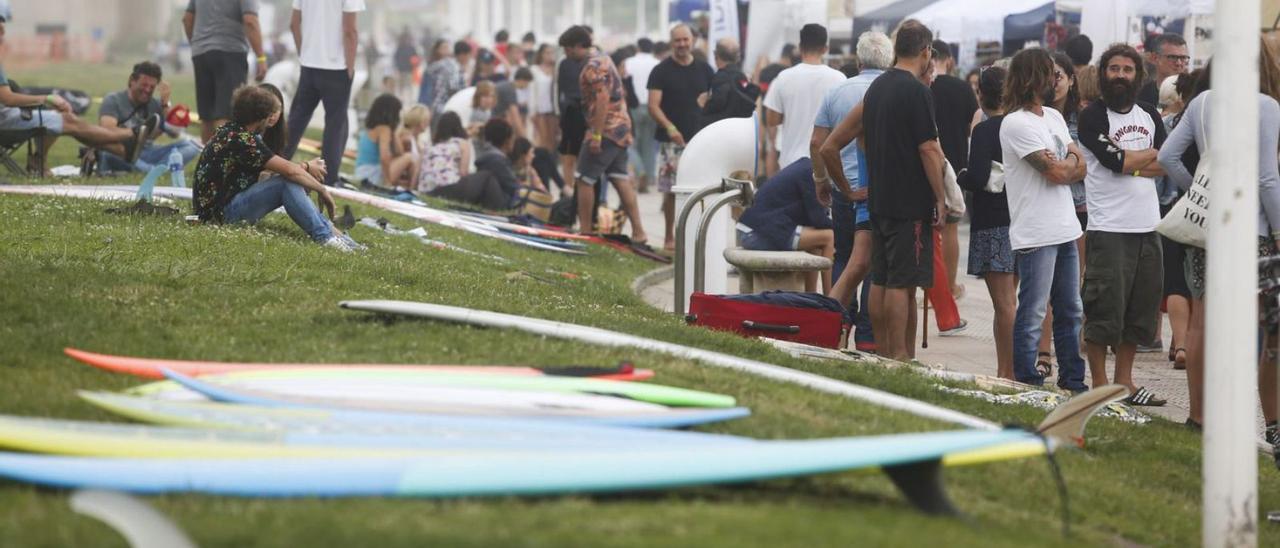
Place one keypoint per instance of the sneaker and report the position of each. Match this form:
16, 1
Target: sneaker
133, 147
964, 324
88, 161
340, 244
352, 243
1273, 438
1151, 348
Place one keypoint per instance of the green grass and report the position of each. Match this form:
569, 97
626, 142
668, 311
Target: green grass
71, 275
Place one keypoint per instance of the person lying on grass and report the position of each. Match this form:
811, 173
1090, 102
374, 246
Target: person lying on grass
787, 216
227, 187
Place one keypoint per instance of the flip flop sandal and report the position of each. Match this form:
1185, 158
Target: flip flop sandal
1145, 398
1043, 366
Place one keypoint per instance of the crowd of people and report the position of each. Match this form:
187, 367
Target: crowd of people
1063, 163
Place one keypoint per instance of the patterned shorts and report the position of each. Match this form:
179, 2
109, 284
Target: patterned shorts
1195, 263
990, 251
668, 159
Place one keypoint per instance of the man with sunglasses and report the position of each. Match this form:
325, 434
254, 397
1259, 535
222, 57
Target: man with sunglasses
1168, 54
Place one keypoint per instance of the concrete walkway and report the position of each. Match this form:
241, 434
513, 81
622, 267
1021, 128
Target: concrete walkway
973, 350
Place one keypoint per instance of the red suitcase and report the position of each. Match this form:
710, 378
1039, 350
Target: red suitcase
803, 325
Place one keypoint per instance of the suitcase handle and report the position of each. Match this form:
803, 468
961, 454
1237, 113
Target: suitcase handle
793, 329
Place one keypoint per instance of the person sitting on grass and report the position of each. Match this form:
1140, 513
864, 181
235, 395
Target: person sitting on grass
146, 95
227, 187
416, 121
482, 104
17, 113
522, 164
448, 158
380, 160
786, 216
448, 161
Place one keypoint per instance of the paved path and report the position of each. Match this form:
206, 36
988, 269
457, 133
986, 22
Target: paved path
973, 350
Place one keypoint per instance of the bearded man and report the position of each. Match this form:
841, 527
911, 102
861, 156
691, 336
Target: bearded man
1121, 293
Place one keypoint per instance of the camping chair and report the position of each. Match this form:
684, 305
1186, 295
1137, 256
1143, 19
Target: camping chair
13, 139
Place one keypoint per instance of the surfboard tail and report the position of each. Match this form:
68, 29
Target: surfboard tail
1066, 423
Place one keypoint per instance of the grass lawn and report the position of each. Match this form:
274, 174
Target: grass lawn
71, 275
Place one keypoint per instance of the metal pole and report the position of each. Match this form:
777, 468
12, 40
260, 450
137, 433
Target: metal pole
681, 222
700, 244
1230, 383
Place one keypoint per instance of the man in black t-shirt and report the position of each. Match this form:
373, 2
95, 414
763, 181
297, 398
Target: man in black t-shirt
678, 88
906, 201
573, 124
954, 105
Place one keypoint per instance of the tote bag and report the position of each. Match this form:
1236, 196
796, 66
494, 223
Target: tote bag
1185, 223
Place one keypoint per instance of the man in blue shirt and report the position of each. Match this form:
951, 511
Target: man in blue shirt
849, 212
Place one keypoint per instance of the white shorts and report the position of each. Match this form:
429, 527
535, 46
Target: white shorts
16, 118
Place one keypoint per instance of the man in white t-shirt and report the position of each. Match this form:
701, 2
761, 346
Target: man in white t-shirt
1122, 292
795, 95
325, 34
1041, 162
645, 147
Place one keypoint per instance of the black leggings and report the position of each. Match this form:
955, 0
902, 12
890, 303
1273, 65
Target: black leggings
479, 189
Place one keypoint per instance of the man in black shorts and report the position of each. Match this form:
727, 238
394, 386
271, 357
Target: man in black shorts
573, 126
604, 152
906, 199
221, 33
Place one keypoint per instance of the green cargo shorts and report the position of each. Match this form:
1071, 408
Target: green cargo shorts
1123, 284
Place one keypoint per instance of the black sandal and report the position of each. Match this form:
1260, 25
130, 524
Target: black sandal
1146, 398
1044, 367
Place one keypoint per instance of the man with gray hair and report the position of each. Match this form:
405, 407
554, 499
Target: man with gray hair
732, 93
849, 205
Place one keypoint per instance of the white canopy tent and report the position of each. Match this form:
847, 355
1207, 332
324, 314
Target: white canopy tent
967, 22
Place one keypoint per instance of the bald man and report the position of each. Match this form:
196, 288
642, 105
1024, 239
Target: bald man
678, 88
732, 93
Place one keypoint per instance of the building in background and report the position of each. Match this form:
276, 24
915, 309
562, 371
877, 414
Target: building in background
86, 30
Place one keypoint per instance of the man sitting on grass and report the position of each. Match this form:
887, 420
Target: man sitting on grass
146, 96
19, 111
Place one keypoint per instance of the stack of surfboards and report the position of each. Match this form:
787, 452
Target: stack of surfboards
272, 430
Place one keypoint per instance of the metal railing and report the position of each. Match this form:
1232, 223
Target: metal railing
731, 191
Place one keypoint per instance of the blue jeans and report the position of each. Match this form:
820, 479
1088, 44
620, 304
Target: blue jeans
644, 150
151, 155
843, 217
260, 199
333, 88
1049, 275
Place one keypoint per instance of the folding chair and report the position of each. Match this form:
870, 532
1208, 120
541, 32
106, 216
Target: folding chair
13, 139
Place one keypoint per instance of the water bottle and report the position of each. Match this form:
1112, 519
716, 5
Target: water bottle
149, 182
177, 177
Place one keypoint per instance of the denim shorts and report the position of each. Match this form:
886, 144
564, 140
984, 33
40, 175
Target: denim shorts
753, 241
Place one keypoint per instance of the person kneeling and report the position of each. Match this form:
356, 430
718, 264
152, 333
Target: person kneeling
786, 216
227, 189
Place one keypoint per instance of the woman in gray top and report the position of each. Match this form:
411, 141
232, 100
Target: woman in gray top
1193, 130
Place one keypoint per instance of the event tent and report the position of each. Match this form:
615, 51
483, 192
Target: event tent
887, 17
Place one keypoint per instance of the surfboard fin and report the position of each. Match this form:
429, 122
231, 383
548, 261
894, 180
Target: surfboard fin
921, 483
1066, 423
139, 523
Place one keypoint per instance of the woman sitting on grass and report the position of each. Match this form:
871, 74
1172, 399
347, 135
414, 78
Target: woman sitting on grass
449, 157
417, 120
482, 104
380, 160
227, 189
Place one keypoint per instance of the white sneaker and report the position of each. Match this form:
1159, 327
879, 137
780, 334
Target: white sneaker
339, 244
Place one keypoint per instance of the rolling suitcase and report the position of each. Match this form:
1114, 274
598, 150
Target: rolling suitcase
807, 318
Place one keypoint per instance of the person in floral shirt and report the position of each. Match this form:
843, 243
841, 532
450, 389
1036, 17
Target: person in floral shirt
227, 188
604, 151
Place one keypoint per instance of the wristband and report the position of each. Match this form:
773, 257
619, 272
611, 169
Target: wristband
671, 128
48, 100
262, 58
1136, 172
596, 136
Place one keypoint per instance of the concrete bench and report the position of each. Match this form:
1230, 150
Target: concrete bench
767, 270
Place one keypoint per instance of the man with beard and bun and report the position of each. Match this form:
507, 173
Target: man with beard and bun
1041, 161
1121, 294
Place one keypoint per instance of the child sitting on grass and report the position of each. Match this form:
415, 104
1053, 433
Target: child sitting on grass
227, 189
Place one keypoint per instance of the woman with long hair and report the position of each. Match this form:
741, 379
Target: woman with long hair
380, 159
1192, 132
227, 188
449, 157
990, 253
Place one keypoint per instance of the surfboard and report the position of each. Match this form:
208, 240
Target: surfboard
384, 382
150, 368
501, 473
605, 337
67, 437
